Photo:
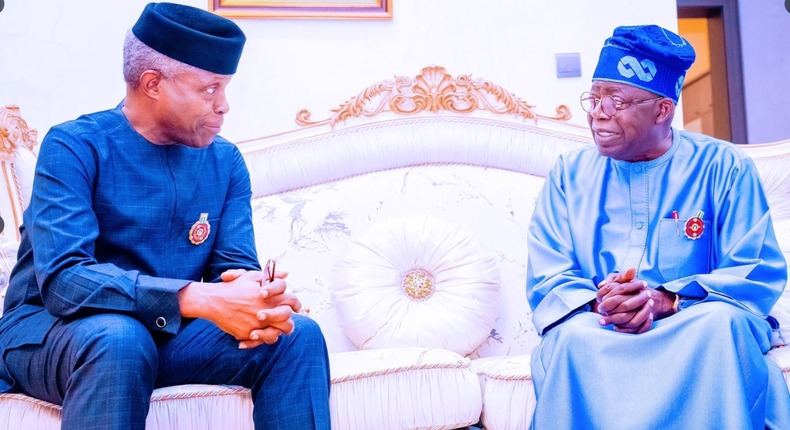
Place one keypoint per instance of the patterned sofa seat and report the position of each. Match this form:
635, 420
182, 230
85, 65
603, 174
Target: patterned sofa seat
402, 219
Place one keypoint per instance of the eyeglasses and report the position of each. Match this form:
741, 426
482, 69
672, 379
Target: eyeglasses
268, 270
609, 105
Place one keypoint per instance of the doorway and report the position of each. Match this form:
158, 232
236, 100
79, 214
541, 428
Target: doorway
712, 93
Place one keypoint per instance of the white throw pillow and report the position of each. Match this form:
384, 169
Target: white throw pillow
416, 282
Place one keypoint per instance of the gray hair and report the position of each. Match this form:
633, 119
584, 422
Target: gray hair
139, 57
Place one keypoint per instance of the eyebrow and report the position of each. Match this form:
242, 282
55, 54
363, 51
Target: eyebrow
610, 91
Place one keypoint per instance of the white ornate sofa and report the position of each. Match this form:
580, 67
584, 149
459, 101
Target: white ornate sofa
402, 219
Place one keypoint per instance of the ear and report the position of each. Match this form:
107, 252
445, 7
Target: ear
665, 112
151, 83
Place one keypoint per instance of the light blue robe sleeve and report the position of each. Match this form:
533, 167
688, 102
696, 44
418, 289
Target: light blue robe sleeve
555, 285
63, 229
748, 268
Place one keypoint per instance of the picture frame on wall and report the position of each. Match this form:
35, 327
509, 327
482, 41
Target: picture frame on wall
303, 9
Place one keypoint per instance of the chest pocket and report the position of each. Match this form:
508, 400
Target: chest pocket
680, 256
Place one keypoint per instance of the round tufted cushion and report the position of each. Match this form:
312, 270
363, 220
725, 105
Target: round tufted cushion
416, 282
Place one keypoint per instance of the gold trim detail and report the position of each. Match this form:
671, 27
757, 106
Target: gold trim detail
418, 285
14, 133
433, 90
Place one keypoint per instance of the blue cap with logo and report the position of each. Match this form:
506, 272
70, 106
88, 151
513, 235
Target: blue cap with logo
648, 57
192, 36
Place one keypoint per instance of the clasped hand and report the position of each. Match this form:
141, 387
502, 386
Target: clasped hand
629, 303
257, 311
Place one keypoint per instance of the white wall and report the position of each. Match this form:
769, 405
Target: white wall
61, 59
765, 31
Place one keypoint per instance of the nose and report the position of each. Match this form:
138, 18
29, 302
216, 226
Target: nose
597, 112
221, 107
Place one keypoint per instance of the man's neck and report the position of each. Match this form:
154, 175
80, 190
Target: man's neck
142, 122
664, 142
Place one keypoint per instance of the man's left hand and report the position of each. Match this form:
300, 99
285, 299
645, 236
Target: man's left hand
278, 317
630, 304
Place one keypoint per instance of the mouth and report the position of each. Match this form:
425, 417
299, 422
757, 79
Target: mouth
214, 128
604, 134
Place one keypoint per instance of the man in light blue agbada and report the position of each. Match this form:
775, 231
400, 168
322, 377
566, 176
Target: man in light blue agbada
653, 264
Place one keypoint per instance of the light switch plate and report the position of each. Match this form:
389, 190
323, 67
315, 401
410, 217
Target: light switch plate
569, 65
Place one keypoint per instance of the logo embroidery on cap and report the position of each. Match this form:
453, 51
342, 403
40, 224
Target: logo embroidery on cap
637, 68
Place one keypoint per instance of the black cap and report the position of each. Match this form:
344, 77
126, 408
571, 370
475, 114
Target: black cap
192, 36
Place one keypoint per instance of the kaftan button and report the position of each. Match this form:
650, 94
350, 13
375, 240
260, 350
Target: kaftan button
161, 322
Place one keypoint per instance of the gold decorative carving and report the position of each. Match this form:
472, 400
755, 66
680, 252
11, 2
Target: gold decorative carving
433, 90
14, 133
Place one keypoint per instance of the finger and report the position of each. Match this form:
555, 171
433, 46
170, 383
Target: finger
604, 291
632, 302
616, 319
627, 288
634, 324
641, 328
285, 327
268, 335
639, 318
232, 274
608, 279
607, 306
273, 288
628, 276
255, 276
647, 325
275, 315
281, 274
284, 299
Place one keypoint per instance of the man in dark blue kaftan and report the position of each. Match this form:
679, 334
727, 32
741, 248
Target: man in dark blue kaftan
137, 267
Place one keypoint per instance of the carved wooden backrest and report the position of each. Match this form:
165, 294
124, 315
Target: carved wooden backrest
433, 90
18, 146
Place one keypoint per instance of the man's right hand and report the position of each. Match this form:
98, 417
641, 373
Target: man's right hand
630, 304
242, 307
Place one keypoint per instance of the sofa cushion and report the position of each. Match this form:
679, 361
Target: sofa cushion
416, 282
403, 388
781, 356
182, 407
508, 394
385, 389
